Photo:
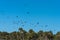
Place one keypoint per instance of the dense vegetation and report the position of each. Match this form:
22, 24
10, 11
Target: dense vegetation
30, 35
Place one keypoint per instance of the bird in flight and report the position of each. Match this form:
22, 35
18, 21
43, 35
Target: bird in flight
17, 16
28, 12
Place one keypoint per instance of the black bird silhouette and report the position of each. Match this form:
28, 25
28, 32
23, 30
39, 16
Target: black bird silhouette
28, 12
46, 25
17, 16
37, 22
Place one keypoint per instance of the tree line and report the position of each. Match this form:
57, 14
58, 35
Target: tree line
30, 35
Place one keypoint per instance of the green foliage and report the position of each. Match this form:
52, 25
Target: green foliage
30, 35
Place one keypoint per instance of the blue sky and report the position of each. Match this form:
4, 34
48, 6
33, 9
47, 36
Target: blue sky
30, 14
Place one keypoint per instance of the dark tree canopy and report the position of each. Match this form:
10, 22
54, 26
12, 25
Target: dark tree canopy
30, 35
